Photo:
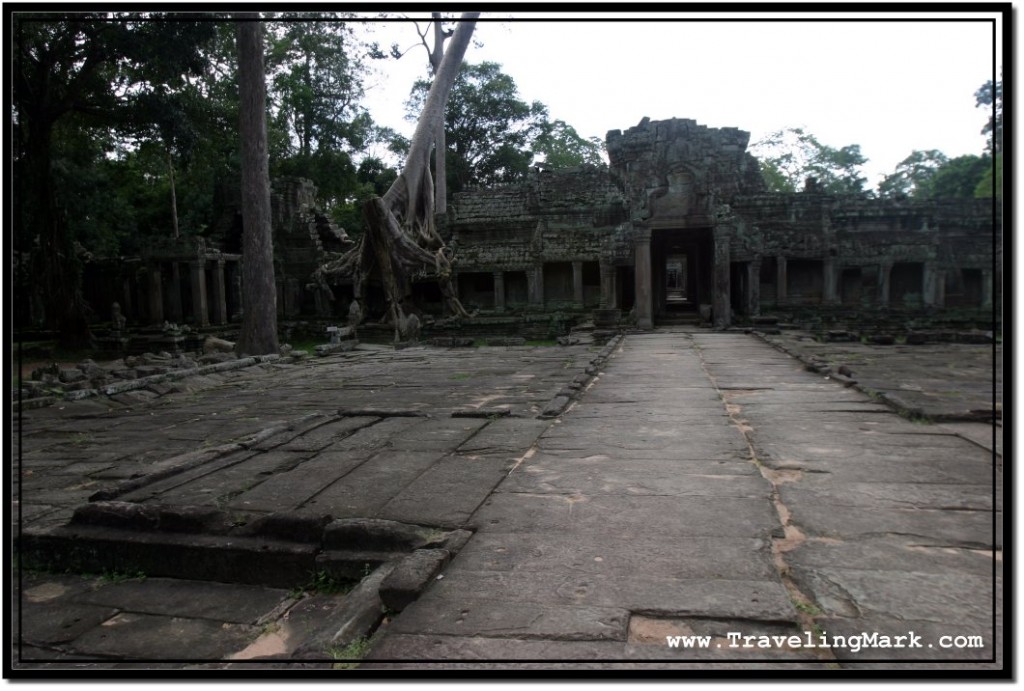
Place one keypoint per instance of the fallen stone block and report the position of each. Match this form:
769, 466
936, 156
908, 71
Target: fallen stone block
212, 344
329, 348
410, 576
555, 407
378, 534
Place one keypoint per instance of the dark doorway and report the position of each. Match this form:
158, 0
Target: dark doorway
681, 270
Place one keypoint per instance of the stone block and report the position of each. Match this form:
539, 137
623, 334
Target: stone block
410, 576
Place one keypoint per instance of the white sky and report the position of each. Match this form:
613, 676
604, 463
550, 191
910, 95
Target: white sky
891, 87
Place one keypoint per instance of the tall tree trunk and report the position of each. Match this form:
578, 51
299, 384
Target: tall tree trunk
400, 237
174, 195
259, 295
440, 173
56, 263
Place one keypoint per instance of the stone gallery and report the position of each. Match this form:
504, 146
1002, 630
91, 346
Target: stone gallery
678, 228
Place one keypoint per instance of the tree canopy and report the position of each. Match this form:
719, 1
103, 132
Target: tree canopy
789, 156
494, 136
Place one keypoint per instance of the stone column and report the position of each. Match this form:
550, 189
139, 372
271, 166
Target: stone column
236, 292
156, 295
127, 301
721, 284
781, 279
220, 297
987, 288
940, 289
929, 289
577, 283
608, 300
754, 287
830, 292
197, 276
174, 311
642, 271
535, 285
884, 273
499, 291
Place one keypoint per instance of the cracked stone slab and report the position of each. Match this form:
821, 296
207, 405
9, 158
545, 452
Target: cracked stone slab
238, 604
968, 528
617, 514
618, 555
640, 477
508, 619
153, 637
720, 598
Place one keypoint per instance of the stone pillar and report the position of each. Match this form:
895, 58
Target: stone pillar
642, 272
940, 289
535, 285
929, 289
236, 292
721, 283
197, 276
830, 292
781, 279
754, 287
174, 312
608, 298
220, 296
499, 291
987, 288
127, 303
156, 295
884, 273
577, 283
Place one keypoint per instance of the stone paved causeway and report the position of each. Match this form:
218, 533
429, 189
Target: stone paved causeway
708, 485
703, 485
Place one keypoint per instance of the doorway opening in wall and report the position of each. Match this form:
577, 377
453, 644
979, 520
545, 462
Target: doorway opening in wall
681, 263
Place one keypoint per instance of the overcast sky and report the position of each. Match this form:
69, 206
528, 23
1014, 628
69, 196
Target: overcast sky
891, 87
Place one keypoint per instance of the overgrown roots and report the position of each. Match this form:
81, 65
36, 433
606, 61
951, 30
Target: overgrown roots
397, 253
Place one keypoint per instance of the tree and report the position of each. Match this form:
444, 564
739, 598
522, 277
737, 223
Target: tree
76, 71
913, 175
958, 178
490, 129
788, 157
991, 182
401, 240
562, 147
258, 334
991, 96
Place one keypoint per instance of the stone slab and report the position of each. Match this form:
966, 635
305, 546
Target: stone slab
367, 489
638, 477
686, 558
511, 619
152, 637
238, 604
623, 515
448, 492
638, 592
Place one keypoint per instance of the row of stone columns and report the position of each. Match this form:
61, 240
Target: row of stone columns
535, 285
932, 289
201, 312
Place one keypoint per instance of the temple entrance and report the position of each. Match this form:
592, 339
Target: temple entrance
681, 269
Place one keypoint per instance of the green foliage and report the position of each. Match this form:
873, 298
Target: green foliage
788, 157
959, 177
562, 147
991, 182
991, 96
356, 650
914, 175
326, 583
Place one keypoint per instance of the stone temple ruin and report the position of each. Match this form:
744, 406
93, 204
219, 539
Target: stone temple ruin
679, 228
